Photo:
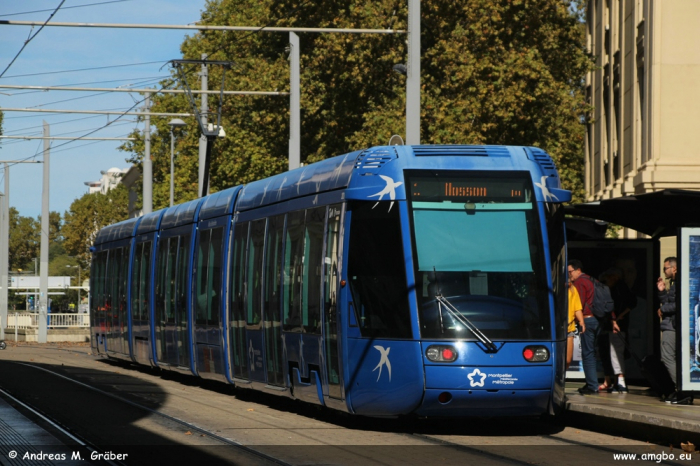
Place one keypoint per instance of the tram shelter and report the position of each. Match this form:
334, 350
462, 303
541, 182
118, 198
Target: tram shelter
670, 212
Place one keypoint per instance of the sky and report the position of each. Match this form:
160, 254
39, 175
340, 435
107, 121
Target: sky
79, 57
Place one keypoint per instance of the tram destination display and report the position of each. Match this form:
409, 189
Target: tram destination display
469, 189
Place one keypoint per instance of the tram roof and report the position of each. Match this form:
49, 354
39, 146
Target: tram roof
180, 214
149, 222
326, 175
218, 204
121, 230
656, 214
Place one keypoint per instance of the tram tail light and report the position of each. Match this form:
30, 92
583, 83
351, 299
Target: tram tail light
441, 353
536, 354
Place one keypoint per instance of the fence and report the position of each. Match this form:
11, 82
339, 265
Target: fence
27, 320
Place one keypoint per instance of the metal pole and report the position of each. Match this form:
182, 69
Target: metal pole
204, 110
147, 163
172, 166
413, 75
294, 105
44, 268
5, 252
79, 285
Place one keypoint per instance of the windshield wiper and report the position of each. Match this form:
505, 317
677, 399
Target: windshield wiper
442, 301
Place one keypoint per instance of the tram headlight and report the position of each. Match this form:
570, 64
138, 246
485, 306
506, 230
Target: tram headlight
536, 354
441, 353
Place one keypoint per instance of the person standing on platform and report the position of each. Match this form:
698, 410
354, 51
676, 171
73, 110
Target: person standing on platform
667, 314
575, 315
584, 286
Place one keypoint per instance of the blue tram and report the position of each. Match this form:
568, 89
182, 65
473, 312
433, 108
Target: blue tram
424, 280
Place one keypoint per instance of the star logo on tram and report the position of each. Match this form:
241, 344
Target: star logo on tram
389, 189
476, 375
383, 361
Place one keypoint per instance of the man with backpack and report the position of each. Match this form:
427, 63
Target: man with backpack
585, 286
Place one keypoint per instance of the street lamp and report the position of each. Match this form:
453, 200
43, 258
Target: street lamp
77, 309
174, 123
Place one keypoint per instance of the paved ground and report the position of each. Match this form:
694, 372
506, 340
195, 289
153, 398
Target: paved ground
637, 415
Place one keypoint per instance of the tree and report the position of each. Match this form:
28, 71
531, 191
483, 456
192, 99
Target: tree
493, 72
24, 241
87, 215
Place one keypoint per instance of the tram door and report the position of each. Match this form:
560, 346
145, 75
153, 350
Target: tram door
98, 315
140, 298
116, 300
272, 311
172, 330
331, 276
207, 300
237, 333
253, 301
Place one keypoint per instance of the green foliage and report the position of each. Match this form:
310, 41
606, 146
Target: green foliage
87, 215
24, 241
492, 71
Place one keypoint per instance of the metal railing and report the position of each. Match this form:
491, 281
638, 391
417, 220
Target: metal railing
28, 320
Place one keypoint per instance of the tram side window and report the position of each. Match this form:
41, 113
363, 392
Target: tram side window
145, 281
273, 264
161, 278
237, 288
111, 281
209, 277
140, 283
331, 260
115, 272
293, 269
98, 284
255, 269
182, 264
202, 277
123, 282
313, 250
377, 271
135, 275
170, 281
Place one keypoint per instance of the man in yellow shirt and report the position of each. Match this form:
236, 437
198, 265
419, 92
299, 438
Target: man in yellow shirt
575, 314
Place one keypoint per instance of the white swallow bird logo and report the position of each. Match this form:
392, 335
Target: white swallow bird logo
545, 191
475, 375
389, 189
383, 361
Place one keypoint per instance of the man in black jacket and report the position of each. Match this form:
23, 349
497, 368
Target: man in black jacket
667, 313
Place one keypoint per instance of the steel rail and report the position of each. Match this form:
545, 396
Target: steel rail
165, 416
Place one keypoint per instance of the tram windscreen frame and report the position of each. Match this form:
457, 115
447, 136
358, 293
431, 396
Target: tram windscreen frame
477, 241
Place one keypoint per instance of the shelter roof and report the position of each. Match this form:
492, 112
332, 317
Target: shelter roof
656, 214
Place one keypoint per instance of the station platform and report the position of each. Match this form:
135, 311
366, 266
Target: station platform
639, 414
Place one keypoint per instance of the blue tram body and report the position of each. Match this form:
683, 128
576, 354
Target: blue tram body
425, 280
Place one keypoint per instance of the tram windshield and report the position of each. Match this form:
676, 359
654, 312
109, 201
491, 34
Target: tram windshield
477, 243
